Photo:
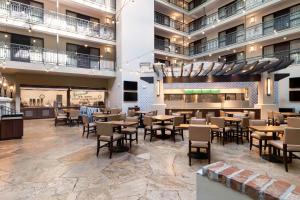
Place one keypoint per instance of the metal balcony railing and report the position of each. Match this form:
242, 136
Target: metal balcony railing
185, 5
268, 28
36, 16
229, 11
168, 47
31, 54
169, 22
105, 3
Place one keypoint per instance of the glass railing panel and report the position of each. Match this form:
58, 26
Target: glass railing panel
107, 3
22, 53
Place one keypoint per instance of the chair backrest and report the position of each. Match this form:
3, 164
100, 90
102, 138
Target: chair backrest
270, 115
293, 122
245, 122
74, 113
104, 128
278, 117
177, 120
85, 120
241, 115
115, 111
148, 120
123, 116
131, 113
201, 121
133, 119
154, 112
258, 122
292, 136
198, 133
198, 114
208, 116
246, 112
222, 113
219, 121
251, 114
114, 118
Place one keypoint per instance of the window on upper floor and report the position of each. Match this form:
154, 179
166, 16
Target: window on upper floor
232, 36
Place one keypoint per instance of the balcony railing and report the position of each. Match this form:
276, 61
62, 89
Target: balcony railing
169, 22
170, 47
179, 3
37, 16
238, 7
105, 3
268, 28
31, 54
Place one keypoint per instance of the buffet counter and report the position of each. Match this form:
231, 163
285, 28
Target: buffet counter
216, 111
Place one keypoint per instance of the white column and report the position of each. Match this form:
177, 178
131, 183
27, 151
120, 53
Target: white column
135, 44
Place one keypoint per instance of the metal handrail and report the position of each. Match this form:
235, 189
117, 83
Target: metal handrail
257, 31
170, 47
31, 54
37, 16
242, 6
112, 3
183, 4
174, 24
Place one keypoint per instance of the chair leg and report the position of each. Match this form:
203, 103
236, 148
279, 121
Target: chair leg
83, 131
136, 137
285, 157
110, 149
208, 152
174, 135
145, 132
55, 122
151, 134
88, 132
130, 140
182, 135
98, 146
251, 143
190, 150
260, 147
290, 157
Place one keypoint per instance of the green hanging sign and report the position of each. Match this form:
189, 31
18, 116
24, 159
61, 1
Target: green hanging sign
202, 91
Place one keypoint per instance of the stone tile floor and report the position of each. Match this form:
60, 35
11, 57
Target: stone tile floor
58, 163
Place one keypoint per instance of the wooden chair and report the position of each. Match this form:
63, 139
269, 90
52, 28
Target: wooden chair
244, 129
222, 130
209, 115
60, 117
199, 138
106, 134
278, 119
251, 115
150, 128
270, 118
131, 113
260, 136
88, 127
174, 127
293, 122
74, 117
198, 121
222, 113
131, 130
289, 145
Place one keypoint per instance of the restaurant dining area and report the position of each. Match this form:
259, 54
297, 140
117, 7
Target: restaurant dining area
149, 100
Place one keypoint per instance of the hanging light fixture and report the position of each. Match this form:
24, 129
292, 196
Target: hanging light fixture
268, 87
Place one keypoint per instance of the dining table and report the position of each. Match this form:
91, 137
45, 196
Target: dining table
236, 121
162, 119
184, 114
269, 129
141, 114
290, 114
232, 113
103, 116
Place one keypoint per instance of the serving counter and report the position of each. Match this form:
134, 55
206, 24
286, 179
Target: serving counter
11, 127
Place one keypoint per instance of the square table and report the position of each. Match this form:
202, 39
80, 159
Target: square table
184, 114
162, 119
104, 116
237, 122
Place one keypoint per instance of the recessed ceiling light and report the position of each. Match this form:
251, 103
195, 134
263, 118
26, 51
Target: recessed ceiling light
284, 38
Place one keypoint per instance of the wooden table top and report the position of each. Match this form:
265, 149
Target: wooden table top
123, 123
234, 113
185, 112
141, 112
290, 114
67, 110
186, 126
104, 115
163, 117
232, 119
268, 128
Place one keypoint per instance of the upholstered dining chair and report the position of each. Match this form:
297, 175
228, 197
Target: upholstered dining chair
293, 122
88, 127
74, 117
115, 111
60, 117
150, 128
260, 136
200, 121
289, 145
199, 138
209, 115
130, 131
222, 130
251, 115
175, 130
106, 134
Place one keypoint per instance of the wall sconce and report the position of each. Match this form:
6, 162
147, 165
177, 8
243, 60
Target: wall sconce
158, 88
252, 48
5, 87
174, 39
268, 87
11, 89
252, 19
107, 50
107, 20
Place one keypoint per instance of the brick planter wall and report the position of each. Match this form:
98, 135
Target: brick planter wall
250, 183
